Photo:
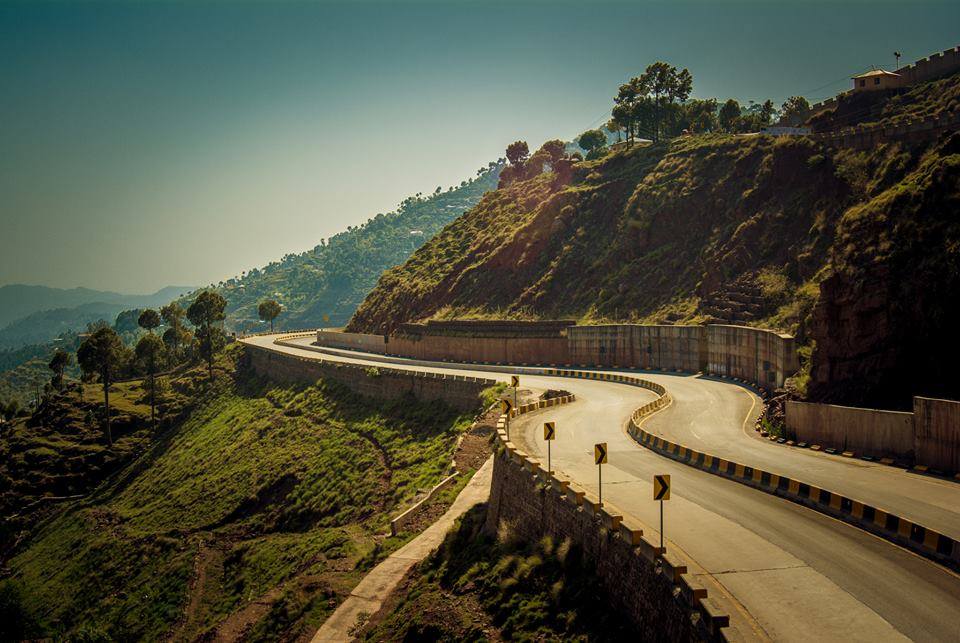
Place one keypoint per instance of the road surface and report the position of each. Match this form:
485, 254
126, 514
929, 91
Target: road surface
781, 570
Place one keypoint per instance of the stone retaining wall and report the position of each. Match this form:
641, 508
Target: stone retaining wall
458, 391
650, 586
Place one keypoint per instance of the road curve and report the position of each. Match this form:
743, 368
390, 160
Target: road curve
783, 571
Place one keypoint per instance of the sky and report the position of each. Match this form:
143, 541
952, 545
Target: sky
178, 143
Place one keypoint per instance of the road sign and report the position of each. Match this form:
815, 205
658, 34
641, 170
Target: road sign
549, 434
661, 492
514, 381
506, 406
600, 453
600, 457
549, 431
661, 487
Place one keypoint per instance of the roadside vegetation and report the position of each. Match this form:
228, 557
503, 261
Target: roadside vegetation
259, 509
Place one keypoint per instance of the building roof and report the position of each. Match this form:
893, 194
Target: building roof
875, 72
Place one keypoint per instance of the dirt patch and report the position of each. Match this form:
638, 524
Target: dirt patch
551, 394
475, 447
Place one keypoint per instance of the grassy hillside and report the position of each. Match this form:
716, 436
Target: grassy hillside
718, 228
257, 513
334, 277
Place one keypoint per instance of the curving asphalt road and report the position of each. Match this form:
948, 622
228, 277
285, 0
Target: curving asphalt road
781, 570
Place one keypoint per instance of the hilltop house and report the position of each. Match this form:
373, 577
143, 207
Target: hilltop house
876, 79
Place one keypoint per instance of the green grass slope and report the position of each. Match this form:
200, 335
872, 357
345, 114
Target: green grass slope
258, 513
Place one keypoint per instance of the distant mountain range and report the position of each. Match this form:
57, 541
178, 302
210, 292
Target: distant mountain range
38, 314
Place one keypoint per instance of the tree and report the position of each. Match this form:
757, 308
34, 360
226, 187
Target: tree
729, 114
794, 111
555, 149
174, 336
149, 319
102, 354
149, 352
59, 361
592, 141
268, 311
517, 152
665, 85
767, 110
700, 115
643, 104
205, 312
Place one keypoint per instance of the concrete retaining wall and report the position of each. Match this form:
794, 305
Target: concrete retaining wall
352, 341
671, 348
936, 426
762, 357
930, 436
382, 383
887, 434
493, 342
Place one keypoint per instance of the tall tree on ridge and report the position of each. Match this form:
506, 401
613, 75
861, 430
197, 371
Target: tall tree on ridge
268, 310
102, 354
205, 313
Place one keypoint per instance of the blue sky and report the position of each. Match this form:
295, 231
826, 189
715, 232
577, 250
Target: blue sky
146, 144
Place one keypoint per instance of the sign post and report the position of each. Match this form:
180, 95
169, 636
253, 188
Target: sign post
600, 457
507, 407
661, 492
549, 434
515, 383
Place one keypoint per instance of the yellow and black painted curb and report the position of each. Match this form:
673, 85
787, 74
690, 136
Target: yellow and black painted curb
688, 588
896, 529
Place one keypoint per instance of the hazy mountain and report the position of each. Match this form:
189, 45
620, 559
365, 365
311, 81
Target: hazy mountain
38, 314
19, 300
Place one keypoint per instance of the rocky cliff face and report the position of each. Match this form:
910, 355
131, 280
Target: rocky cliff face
717, 228
886, 318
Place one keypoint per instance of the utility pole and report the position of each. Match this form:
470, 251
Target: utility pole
896, 55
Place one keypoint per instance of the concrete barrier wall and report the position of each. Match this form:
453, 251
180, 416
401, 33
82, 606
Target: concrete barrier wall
763, 357
494, 342
382, 383
352, 341
937, 433
672, 348
886, 434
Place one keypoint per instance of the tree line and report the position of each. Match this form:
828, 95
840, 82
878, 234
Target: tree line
656, 105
